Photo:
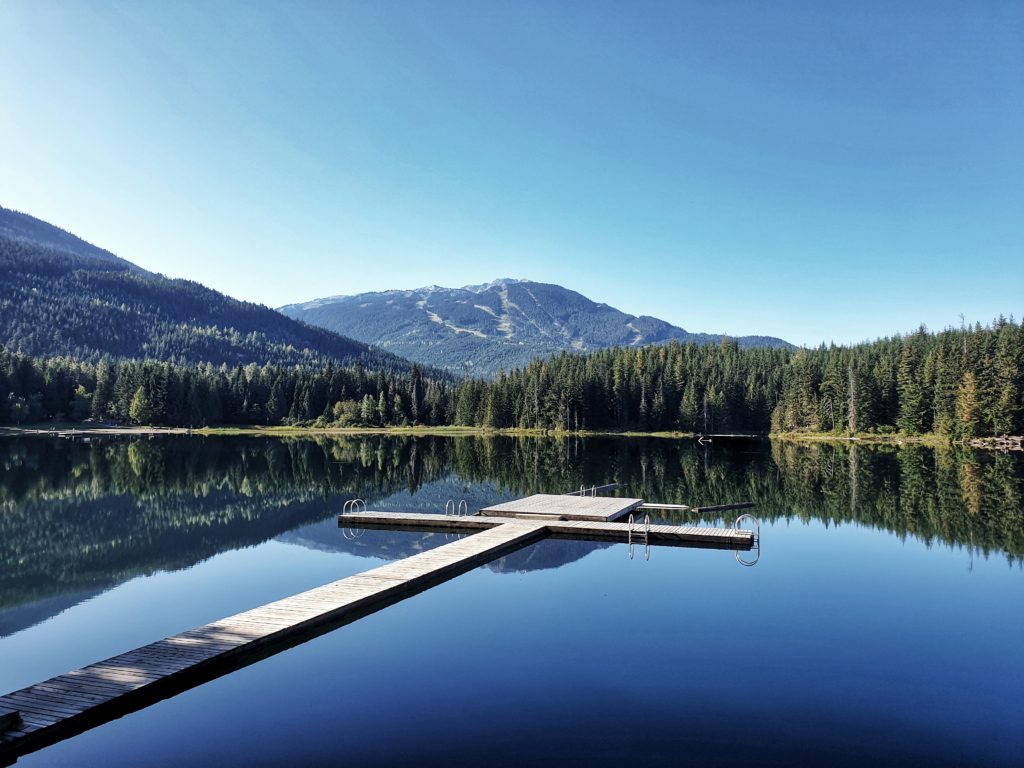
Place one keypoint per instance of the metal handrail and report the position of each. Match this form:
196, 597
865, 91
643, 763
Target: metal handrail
755, 544
754, 520
594, 489
647, 535
353, 506
451, 509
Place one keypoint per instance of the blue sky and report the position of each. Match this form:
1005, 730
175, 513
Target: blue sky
815, 171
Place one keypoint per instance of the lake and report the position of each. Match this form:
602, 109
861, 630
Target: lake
882, 624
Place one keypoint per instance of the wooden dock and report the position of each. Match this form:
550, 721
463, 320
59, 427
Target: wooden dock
68, 704
565, 507
63, 706
668, 535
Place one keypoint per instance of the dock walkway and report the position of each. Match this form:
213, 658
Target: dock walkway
68, 704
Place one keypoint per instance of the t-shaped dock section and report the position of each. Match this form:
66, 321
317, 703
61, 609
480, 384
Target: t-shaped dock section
590, 518
68, 704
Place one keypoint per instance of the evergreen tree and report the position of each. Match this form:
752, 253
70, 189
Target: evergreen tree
141, 409
967, 406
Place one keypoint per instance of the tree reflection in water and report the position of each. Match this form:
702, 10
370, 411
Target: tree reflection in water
78, 518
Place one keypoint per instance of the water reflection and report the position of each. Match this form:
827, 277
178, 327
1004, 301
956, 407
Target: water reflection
76, 519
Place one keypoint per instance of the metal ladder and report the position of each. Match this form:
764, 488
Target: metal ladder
645, 530
755, 544
353, 506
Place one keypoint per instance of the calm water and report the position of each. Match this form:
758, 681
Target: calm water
883, 624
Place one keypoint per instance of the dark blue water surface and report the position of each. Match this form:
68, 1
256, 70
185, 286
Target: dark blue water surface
883, 623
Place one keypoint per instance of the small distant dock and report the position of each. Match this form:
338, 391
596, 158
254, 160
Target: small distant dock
63, 706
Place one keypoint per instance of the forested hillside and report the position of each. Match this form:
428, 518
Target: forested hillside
958, 383
15, 225
58, 302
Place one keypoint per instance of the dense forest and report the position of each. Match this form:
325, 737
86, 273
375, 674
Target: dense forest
165, 394
961, 383
57, 302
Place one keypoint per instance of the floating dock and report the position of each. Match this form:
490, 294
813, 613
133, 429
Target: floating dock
549, 506
668, 535
63, 706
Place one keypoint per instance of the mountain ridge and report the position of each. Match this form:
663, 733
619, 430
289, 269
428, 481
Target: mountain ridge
63, 296
498, 325
17, 225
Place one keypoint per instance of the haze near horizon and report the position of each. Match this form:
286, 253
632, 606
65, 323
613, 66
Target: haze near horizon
816, 174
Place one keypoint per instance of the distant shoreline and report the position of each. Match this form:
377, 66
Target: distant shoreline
70, 430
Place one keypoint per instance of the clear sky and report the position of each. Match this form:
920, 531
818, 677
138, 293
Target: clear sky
817, 171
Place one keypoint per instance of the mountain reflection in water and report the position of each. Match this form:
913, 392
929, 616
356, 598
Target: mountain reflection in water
77, 519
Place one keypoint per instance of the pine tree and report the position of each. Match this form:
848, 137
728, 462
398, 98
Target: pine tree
852, 411
911, 417
104, 390
141, 409
967, 407
368, 410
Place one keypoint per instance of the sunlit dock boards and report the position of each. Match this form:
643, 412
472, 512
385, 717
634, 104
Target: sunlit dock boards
565, 507
68, 704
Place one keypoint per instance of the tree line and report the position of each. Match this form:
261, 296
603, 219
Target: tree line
168, 394
961, 383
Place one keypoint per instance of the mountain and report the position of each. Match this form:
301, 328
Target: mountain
503, 324
60, 295
18, 226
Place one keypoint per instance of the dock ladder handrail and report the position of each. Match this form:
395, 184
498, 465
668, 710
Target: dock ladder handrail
355, 506
755, 543
647, 535
593, 490
451, 509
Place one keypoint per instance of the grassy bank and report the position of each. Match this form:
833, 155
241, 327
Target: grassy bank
68, 429
51, 428
862, 438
